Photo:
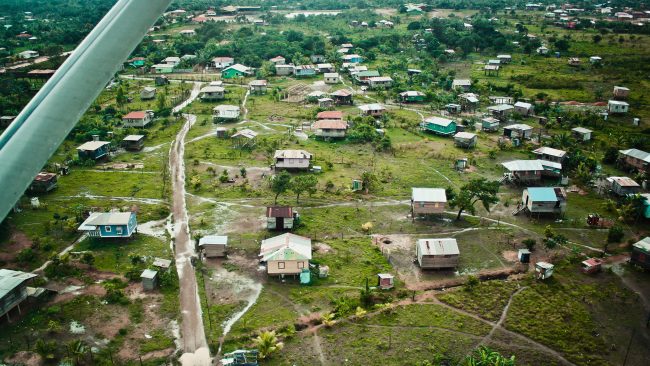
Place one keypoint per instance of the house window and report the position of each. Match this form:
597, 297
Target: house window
107, 229
301, 264
280, 265
118, 231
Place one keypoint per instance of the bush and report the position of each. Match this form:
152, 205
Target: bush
529, 243
615, 234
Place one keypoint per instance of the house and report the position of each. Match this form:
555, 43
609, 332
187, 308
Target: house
225, 113
133, 142
641, 253
43, 182
137, 61
412, 96
500, 111
258, 86
491, 70
621, 92
523, 255
110, 224
94, 150
304, 70
332, 78
504, 59
519, 130
385, 281
317, 58
623, 186
284, 69
149, 279
439, 125
328, 128
373, 109
222, 62
574, 61
525, 171
543, 270
325, 102
542, 50
465, 139
591, 265
453, 108
162, 68
489, 124
292, 159
437, 253
550, 154
541, 200
280, 218
278, 60
524, 109
342, 97
236, 71
617, 106
461, 84
211, 93
354, 58
13, 290
362, 77
380, 82
28, 54
581, 133
187, 33
636, 158
325, 68
148, 93
286, 254
137, 119
595, 59
244, 138
500, 100
213, 246
468, 101
329, 115
425, 201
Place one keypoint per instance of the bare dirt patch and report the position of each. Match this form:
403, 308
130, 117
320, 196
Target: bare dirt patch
323, 248
25, 358
17, 242
509, 255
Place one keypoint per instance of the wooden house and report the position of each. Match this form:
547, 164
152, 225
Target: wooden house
574, 61
453, 108
212, 93
501, 111
591, 265
437, 253
374, 109
110, 224
385, 281
621, 92
225, 113
412, 96
380, 82
362, 77
525, 171
635, 158
524, 109
325, 102
505, 59
222, 62
43, 182
354, 58
581, 133
236, 71
284, 70
543, 270
94, 150
332, 78
465, 139
617, 107
461, 84
278, 60
468, 101
342, 97
325, 68
133, 142
425, 201
491, 70
149, 279
641, 253
13, 290
328, 128
623, 186
520, 130
148, 93
489, 124
304, 70
550, 154
292, 159
258, 86
439, 126
213, 246
544, 200
280, 218
329, 115
137, 119
286, 254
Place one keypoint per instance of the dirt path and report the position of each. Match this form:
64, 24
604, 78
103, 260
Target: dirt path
319, 349
502, 318
64, 251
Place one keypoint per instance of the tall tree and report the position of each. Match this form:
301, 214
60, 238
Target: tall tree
302, 184
280, 183
479, 189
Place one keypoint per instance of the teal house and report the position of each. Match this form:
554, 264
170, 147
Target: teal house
236, 71
110, 224
439, 126
412, 96
646, 204
136, 62
94, 150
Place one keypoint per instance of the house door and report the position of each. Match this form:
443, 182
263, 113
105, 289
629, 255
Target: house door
279, 223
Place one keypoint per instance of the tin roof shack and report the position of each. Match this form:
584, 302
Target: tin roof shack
43, 182
225, 113
13, 290
617, 107
542, 200
465, 139
373, 109
437, 253
148, 93
468, 101
439, 126
110, 224
581, 133
329, 115
94, 150
213, 246
258, 86
236, 71
245, 138
519, 130
543, 270
149, 279
461, 84
212, 92
621, 92
385, 281
280, 218
641, 253
292, 159
380, 82
550, 154
500, 111
591, 265
524, 109
523, 255
525, 171
426, 201
636, 158
286, 254
342, 97
332, 78
412, 96
133, 142
137, 119
490, 124
328, 128
574, 61
623, 186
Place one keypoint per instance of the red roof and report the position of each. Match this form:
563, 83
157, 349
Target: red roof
330, 124
24, 35
279, 211
44, 177
341, 93
135, 115
330, 115
593, 262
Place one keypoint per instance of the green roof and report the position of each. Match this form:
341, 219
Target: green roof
286, 254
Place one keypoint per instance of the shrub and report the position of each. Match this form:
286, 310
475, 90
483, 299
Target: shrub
529, 243
615, 234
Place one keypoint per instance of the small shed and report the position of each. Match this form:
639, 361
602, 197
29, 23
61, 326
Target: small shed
617, 106
581, 133
280, 217
323, 271
465, 139
621, 92
133, 142
641, 253
519, 130
524, 255
221, 132
591, 265
523, 108
149, 279
437, 253
385, 281
500, 111
543, 270
453, 108
214, 246
148, 93
490, 124
161, 263
44, 182
624, 186
426, 201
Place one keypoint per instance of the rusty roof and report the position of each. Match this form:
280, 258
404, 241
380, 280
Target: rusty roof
330, 115
279, 211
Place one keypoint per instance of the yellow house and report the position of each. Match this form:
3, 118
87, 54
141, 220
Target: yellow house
286, 254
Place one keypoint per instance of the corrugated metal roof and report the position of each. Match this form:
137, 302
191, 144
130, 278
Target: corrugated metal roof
92, 145
330, 115
523, 165
517, 126
429, 195
10, 279
550, 151
500, 107
330, 124
279, 211
542, 194
465, 135
292, 154
299, 245
213, 240
636, 153
372, 107
643, 244
149, 274
523, 105
249, 134
133, 138
581, 130
624, 181
444, 246
107, 218
439, 121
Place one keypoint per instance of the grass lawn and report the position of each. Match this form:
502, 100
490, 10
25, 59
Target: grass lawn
115, 255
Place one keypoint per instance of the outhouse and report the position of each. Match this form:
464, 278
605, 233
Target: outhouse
149, 279
385, 281
543, 270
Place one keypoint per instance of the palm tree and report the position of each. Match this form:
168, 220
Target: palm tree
267, 343
485, 356
77, 349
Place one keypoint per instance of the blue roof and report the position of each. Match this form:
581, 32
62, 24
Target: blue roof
542, 194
